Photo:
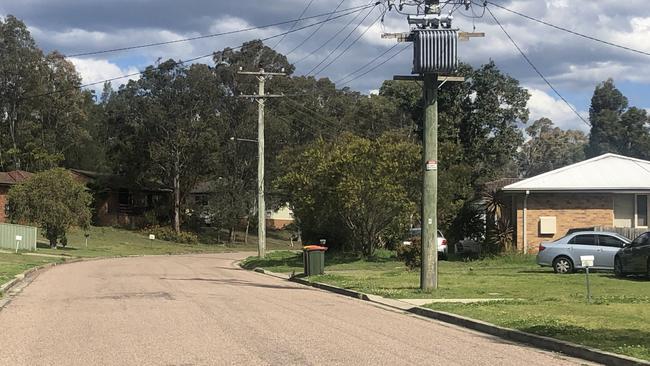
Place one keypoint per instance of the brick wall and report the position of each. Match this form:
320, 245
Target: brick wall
574, 210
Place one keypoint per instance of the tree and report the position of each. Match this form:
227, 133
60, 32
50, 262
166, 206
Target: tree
164, 128
52, 200
615, 127
366, 186
478, 135
42, 109
550, 148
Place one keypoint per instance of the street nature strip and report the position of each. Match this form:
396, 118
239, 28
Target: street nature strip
526, 297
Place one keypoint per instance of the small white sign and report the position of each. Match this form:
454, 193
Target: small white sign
432, 165
19, 237
587, 260
152, 237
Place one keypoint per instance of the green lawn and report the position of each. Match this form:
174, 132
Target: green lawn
545, 303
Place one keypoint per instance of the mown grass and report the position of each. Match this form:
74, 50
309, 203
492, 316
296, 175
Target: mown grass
538, 301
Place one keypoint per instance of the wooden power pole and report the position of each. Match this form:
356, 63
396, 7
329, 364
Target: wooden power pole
435, 54
261, 205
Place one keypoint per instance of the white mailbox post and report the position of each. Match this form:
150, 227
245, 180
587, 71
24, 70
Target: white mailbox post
19, 238
587, 262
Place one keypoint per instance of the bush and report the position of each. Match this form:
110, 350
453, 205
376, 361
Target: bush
168, 234
411, 254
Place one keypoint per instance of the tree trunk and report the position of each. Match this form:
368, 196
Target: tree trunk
177, 197
248, 224
231, 235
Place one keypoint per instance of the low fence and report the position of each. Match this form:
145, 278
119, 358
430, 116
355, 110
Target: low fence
628, 232
9, 235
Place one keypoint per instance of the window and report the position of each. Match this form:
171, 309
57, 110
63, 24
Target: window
583, 240
609, 241
623, 210
641, 210
640, 240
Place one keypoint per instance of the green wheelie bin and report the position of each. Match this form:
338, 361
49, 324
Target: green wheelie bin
313, 257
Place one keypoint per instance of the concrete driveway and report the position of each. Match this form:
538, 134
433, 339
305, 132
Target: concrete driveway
202, 310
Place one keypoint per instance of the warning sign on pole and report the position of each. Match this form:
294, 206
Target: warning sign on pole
432, 165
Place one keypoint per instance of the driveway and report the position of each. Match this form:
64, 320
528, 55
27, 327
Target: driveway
202, 310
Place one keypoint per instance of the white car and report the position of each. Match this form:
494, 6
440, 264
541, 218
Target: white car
442, 242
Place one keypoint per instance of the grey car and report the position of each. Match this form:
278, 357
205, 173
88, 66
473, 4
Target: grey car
564, 254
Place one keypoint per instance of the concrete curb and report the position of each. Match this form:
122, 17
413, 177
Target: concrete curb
546, 343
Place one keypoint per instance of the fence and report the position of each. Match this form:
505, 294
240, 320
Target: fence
10, 232
628, 232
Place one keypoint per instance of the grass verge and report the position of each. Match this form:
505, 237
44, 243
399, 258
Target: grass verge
540, 301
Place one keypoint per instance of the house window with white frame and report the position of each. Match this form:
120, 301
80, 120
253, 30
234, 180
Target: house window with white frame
631, 210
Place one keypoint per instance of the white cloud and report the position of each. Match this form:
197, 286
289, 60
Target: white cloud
542, 104
93, 70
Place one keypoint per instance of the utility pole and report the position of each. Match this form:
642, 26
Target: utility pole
435, 53
260, 97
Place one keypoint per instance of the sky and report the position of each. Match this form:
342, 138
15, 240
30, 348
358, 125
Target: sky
572, 64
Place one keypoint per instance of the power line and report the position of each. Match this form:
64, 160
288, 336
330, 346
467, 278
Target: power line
367, 64
295, 23
536, 69
350, 45
329, 40
379, 65
340, 43
192, 59
592, 38
312, 33
153, 44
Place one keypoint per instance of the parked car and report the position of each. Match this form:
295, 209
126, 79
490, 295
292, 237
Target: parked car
634, 258
564, 254
442, 242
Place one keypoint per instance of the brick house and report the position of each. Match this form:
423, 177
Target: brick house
118, 202
609, 191
8, 179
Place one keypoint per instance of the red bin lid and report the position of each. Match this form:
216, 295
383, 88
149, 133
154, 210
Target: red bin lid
314, 247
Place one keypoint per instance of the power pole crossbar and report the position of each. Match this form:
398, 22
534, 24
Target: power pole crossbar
260, 97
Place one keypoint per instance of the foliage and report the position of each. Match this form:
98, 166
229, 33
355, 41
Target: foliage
616, 127
164, 128
52, 200
411, 254
365, 186
550, 148
167, 233
42, 110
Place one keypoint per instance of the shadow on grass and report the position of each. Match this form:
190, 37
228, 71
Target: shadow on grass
628, 341
43, 245
633, 278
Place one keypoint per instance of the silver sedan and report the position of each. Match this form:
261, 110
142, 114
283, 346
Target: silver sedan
564, 254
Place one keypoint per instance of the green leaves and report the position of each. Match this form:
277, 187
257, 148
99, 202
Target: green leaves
355, 189
52, 200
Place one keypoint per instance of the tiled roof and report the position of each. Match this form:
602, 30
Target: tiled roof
14, 177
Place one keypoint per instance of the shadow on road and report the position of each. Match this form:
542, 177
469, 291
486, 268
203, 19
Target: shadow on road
235, 282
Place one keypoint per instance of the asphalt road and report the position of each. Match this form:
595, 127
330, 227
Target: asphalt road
202, 310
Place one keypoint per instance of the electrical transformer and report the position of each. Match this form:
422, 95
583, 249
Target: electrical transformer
435, 51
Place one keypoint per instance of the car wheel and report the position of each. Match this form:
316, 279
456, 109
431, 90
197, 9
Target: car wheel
618, 267
647, 274
562, 265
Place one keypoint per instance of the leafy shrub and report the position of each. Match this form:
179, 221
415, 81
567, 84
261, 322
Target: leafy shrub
411, 254
168, 234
